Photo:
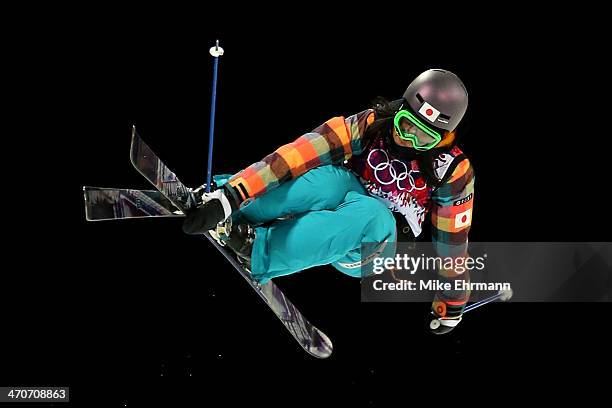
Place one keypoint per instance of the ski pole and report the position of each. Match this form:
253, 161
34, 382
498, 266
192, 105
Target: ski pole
216, 52
502, 295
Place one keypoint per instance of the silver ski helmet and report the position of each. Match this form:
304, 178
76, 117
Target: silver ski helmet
438, 97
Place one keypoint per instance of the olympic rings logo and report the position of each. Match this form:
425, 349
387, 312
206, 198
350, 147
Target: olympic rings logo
392, 172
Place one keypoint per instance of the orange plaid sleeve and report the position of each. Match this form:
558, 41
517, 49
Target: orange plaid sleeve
331, 143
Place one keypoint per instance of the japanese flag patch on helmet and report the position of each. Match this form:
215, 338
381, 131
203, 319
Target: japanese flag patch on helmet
429, 112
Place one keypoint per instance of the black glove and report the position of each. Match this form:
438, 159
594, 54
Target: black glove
215, 208
447, 307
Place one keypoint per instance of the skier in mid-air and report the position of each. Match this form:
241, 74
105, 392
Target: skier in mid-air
368, 178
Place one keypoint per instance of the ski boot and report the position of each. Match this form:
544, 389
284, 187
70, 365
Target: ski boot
239, 237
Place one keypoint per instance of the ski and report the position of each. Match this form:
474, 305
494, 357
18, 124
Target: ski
312, 340
103, 204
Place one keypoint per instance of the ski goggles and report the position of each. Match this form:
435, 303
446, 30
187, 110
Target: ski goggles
410, 128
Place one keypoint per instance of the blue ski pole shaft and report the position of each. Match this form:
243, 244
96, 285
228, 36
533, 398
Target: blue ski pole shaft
216, 52
482, 302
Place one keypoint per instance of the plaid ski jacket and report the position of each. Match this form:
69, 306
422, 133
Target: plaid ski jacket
341, 141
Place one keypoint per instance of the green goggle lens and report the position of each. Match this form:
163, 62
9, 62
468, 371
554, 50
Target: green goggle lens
423, 140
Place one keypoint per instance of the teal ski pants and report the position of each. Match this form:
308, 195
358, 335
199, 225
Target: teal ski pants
326, 217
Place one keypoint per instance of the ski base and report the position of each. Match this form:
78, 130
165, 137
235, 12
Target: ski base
102, 204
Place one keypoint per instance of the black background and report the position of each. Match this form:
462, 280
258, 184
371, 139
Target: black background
134, 312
